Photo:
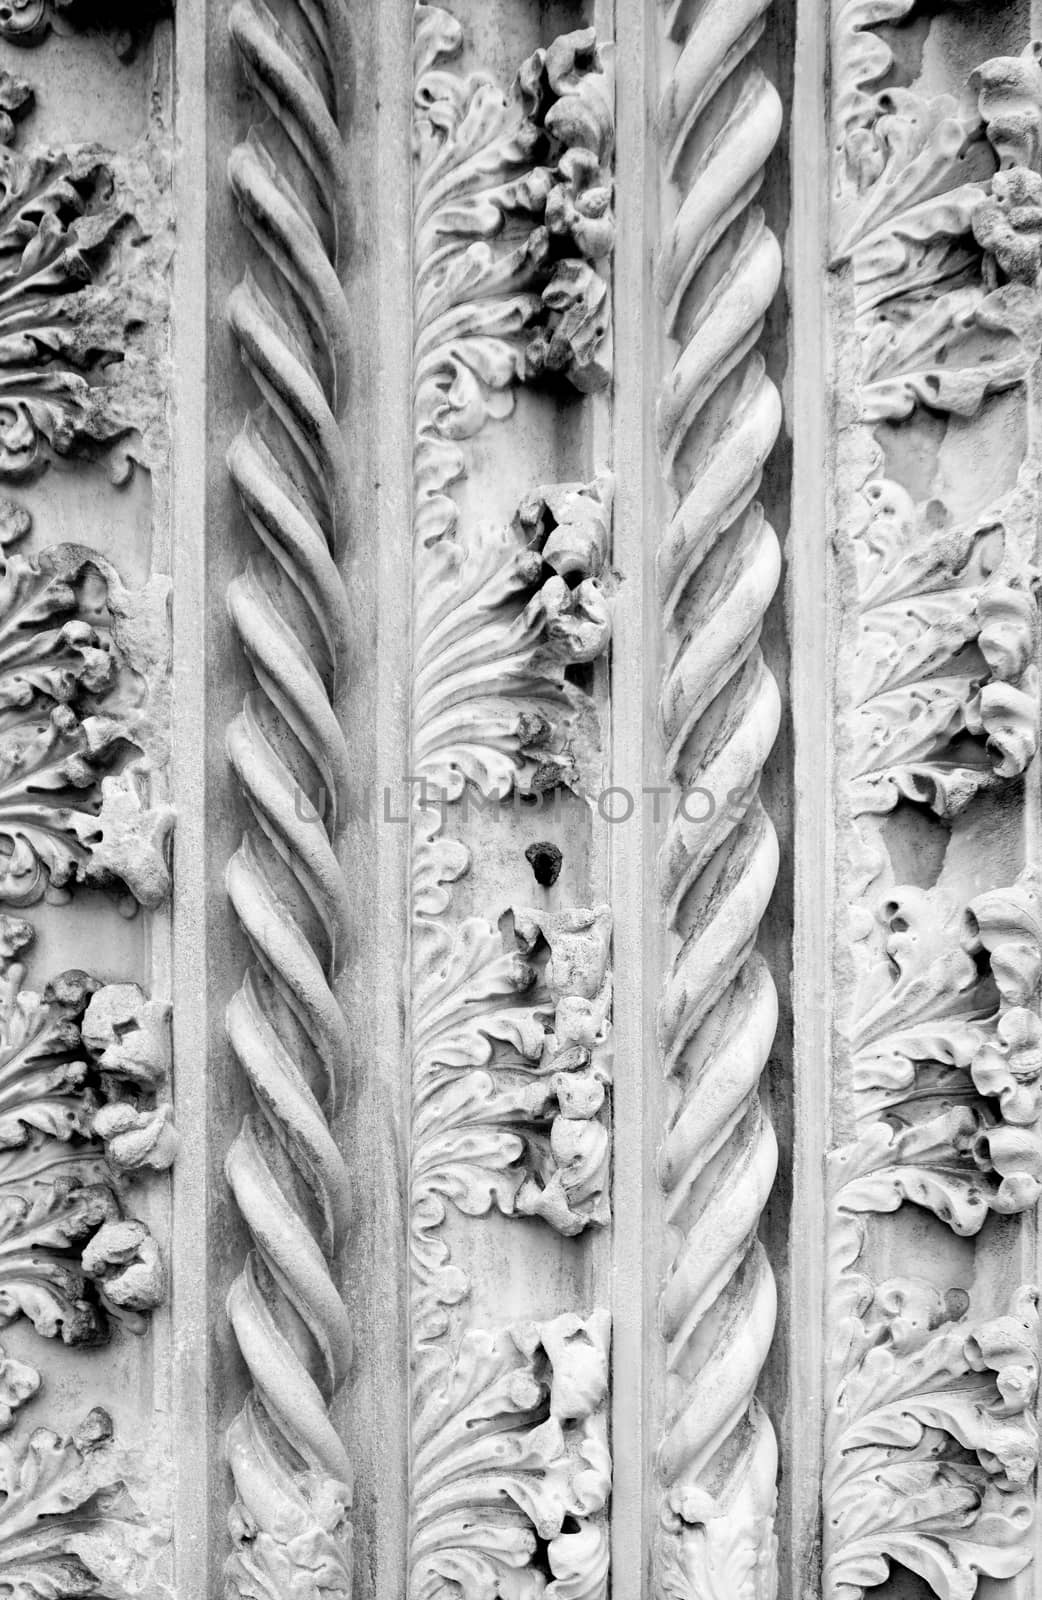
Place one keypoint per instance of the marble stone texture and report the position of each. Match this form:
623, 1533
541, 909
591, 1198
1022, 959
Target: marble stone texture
520, 881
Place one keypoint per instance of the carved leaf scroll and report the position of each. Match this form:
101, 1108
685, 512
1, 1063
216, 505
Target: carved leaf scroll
932, 1442
499, 623
948, 685
69, 1527
70, 1258
512, 1469
943, 248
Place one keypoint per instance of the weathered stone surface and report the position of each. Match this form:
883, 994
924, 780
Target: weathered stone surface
520, 898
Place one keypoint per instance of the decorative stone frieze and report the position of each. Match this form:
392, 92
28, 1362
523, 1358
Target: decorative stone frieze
931, 1390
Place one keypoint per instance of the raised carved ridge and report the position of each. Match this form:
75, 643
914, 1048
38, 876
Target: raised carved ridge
946, 1061
718, 565
288, 749
512, 1060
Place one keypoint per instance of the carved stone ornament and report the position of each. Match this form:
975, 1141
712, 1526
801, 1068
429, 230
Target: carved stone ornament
931, 1441
520, 799
27, 22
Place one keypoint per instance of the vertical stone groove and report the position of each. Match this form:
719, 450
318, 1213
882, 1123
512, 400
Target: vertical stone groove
717, 568
287, 747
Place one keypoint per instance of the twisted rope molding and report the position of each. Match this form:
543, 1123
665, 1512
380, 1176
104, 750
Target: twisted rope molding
718, 566
289, 608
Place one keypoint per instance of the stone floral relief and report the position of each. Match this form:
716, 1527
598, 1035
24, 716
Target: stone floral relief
291, 1475
75, 1519
80, 660
512, 1061
84, 249
718, 561
84, 1116
512, 231
931, 1439
512, 1468
946, 661
84, 1113
936, 251
510, 1018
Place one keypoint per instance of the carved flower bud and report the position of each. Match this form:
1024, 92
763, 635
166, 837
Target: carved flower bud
136, 1139
1008, 924
123, 1260
1016, 1156
1008, 224
578, 515
1007, 619
578, 1353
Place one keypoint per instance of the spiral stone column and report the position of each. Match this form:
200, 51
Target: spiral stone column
289, 608
717, 567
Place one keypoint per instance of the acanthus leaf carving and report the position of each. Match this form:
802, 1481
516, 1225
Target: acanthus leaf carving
74, 805
288, 749
492, 309
931, 1442
499, 622
70, 1257
70, 1526
718, 563
946, 656
28, 22
58, 219
512, 1468
510, 1068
